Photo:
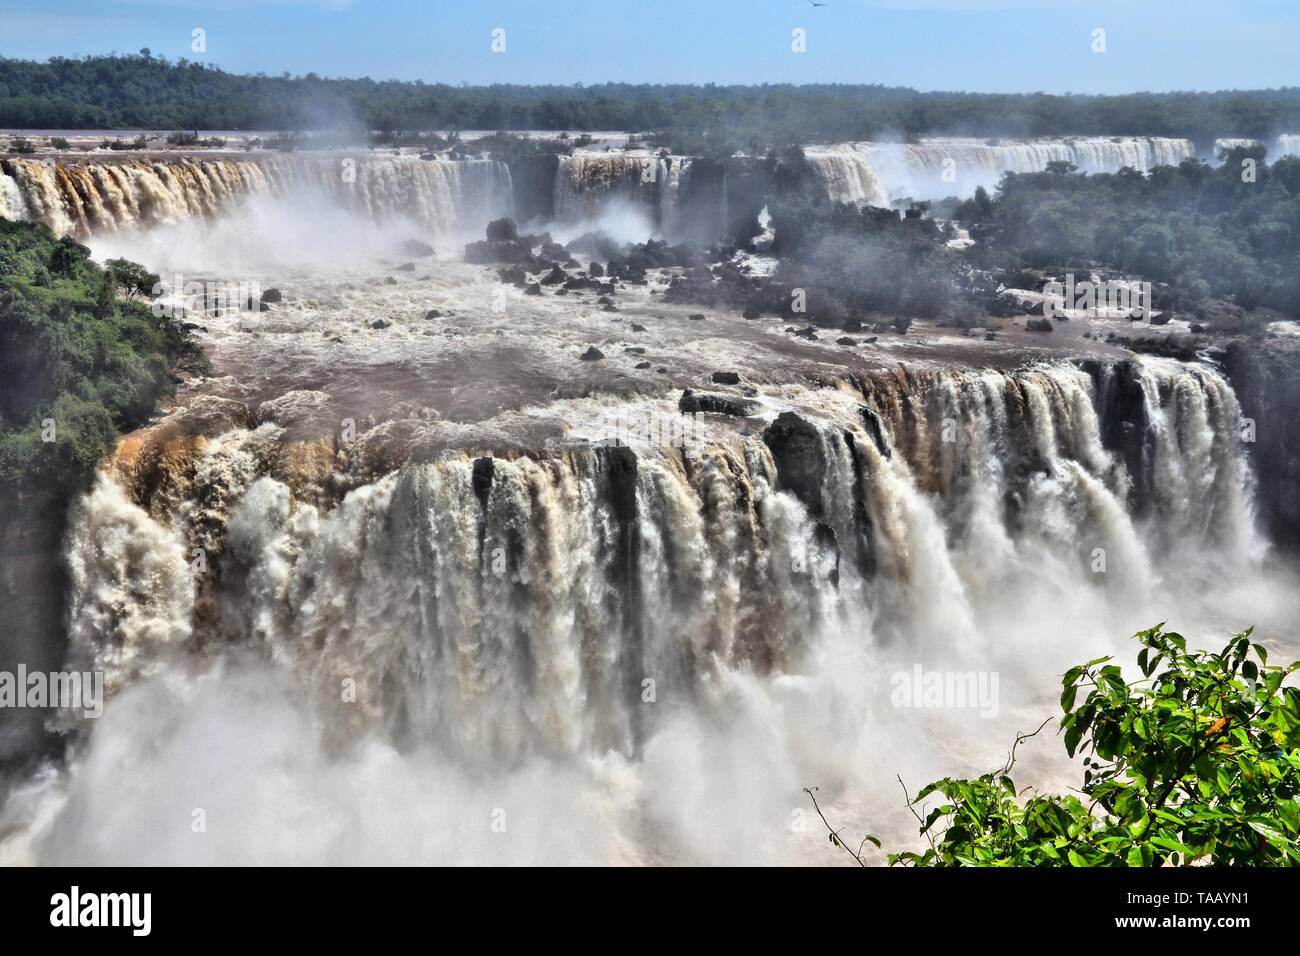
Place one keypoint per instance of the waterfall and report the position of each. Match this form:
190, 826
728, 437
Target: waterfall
83, 198
1222, 146
513, 606
589, 183
1288, 144
877, 173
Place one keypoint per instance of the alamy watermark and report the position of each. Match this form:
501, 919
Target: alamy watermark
950, 690
127, 910
65, 690
655, 429
1131, 300
177, 297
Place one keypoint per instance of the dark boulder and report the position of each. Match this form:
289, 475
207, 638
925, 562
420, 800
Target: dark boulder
712, 402
597, 245
414, 247
486, 252
515, 275
796, 447
726, 378
592, 354
553, 252
502, 230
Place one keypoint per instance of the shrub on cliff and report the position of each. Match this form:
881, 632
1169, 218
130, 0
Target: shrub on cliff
78, 362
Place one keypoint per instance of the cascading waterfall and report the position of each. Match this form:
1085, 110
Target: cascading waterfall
97, 197
588, 182
1288, 144
515, 606
1221, 146
878, 173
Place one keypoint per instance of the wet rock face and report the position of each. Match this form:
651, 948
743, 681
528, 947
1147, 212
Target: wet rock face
532, 180
1266, 378
484, 469
800, 463
876, 429
716, 404
33, 585
1126, 427
620, 489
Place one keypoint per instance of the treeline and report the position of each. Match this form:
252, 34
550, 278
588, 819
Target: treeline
144, 91
1229, 232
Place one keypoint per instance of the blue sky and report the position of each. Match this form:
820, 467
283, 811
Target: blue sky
979, 45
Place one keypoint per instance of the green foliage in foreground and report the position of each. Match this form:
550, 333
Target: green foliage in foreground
78, 362
1196, 762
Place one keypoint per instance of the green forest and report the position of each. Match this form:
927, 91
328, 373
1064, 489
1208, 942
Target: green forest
146, 91
1228, 232
1220, 243
82, 357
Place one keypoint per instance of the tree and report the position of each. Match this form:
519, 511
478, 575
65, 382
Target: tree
1197, 761
133, 279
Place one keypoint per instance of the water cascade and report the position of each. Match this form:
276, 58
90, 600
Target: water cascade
96, 197
514, 605
878, 173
